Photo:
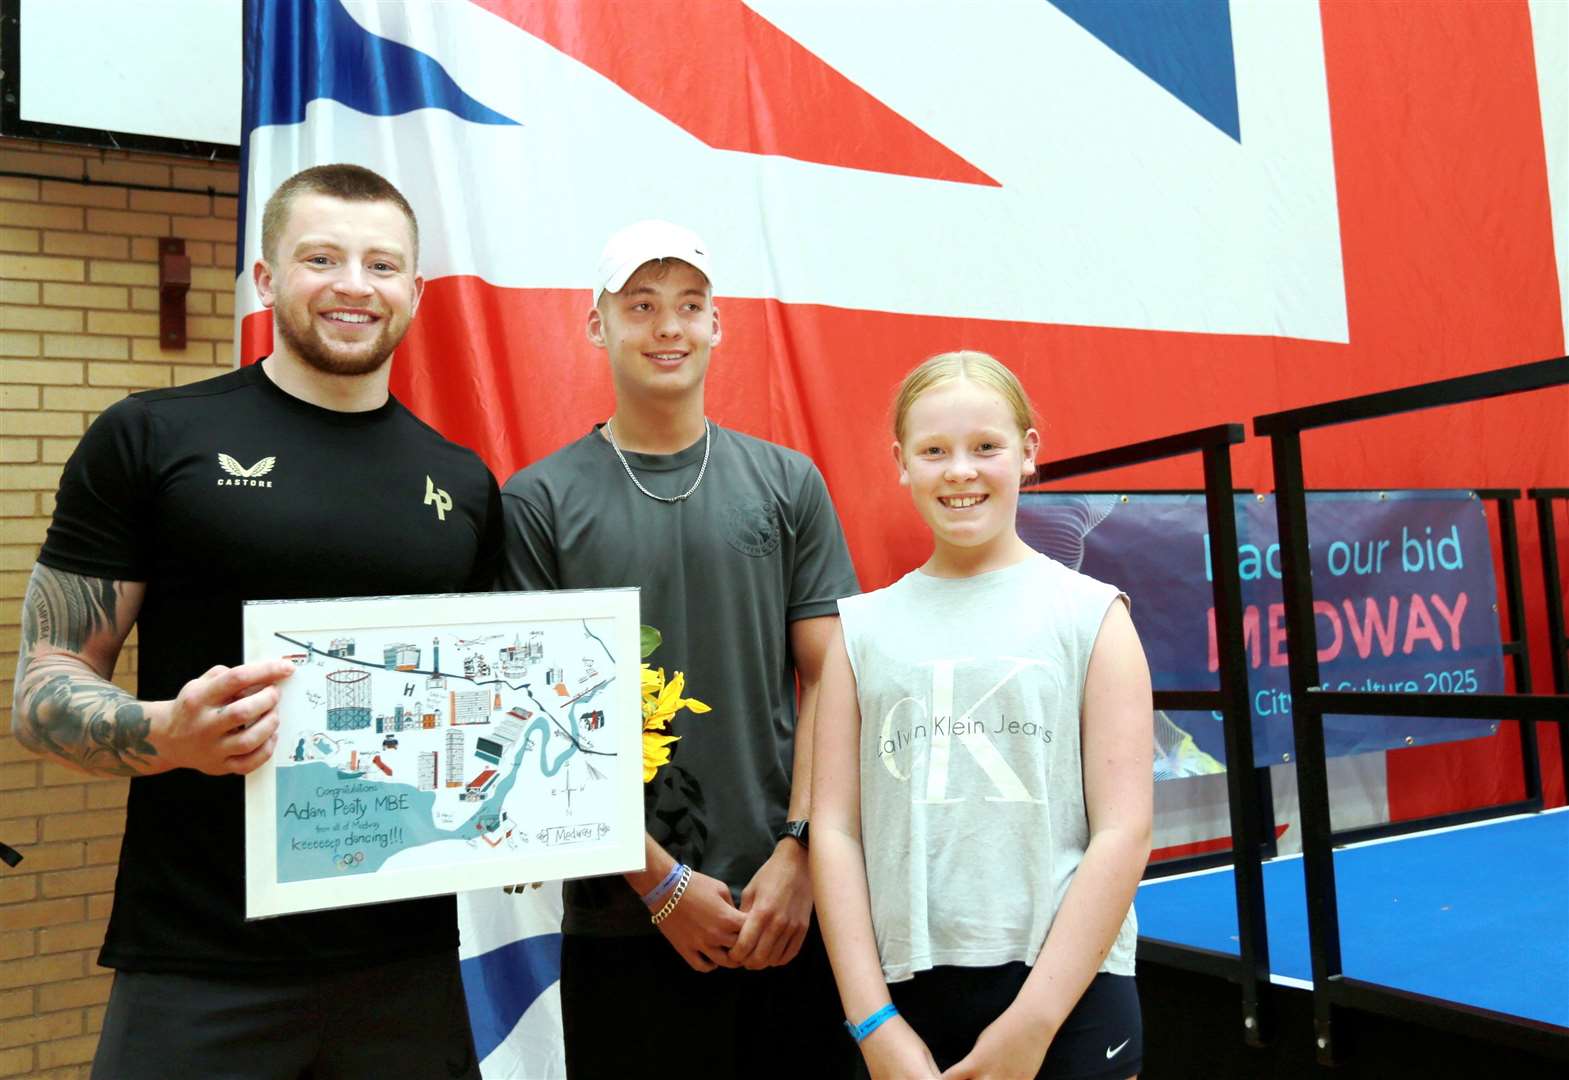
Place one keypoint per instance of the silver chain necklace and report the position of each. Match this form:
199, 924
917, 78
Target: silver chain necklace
708, 444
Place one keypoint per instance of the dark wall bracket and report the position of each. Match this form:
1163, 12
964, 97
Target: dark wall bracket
174, 281
1332, 990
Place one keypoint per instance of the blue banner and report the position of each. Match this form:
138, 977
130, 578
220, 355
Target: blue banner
1404, 599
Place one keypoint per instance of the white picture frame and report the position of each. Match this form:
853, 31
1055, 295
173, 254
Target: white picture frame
438, 744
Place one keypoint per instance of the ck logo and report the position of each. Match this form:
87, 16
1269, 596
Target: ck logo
441, 499
949, 725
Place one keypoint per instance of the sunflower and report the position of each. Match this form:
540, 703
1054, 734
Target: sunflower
661, 701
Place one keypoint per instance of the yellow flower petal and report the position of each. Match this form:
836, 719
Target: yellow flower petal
656, 752
661, 701
653, 680
670, 696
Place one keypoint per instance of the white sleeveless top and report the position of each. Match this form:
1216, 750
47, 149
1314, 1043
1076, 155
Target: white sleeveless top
972, 786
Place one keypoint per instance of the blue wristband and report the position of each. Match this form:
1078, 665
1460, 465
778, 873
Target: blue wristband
652, 897
860, 1031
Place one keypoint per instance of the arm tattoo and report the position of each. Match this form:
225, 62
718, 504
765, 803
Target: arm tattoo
63, 707
64, 610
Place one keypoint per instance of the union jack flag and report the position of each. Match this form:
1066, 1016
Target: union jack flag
1163, 215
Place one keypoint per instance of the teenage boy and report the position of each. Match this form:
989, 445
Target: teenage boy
299, 476
740, 559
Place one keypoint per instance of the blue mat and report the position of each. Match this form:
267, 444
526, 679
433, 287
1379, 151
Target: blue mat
1477, 915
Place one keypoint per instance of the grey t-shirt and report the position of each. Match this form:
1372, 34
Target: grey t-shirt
722, 575
972, 784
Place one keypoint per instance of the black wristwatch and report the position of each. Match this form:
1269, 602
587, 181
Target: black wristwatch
795, 830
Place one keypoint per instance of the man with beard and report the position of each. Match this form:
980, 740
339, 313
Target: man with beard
299, 476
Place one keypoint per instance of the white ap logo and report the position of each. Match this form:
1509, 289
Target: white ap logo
442, 500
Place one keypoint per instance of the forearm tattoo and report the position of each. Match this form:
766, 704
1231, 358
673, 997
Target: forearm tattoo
63, 707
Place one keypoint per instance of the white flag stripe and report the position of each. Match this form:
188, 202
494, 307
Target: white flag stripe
1189, 230
1550, 37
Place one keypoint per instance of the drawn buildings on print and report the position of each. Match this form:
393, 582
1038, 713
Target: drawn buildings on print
391, 755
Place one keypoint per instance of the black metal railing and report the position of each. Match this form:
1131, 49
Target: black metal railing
1250, 968
1553, 588
1516, 648
1331, 989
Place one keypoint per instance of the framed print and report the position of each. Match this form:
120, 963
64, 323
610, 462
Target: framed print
435, 744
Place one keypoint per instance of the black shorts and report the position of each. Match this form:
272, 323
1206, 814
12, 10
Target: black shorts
949, 1007
406, 1018
631, 1007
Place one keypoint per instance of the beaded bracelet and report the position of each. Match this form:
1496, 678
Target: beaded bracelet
659, 890
871, 1023
675, 898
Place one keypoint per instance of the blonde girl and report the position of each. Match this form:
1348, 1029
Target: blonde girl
982, 774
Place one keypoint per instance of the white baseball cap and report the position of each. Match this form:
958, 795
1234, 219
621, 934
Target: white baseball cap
644, 242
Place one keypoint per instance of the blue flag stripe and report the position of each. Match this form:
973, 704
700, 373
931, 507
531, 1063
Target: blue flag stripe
502, 983
1185, 47
302, 50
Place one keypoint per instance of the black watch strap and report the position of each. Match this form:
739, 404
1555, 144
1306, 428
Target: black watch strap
795, 830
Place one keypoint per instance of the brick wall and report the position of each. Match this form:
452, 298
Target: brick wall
78, 331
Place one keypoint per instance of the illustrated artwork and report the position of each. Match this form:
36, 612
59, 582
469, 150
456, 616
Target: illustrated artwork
418, 756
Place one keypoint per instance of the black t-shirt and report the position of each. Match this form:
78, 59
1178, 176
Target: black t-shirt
231, 490
722, 575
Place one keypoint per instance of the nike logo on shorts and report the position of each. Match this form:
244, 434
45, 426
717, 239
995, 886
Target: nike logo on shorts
1113, 1051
